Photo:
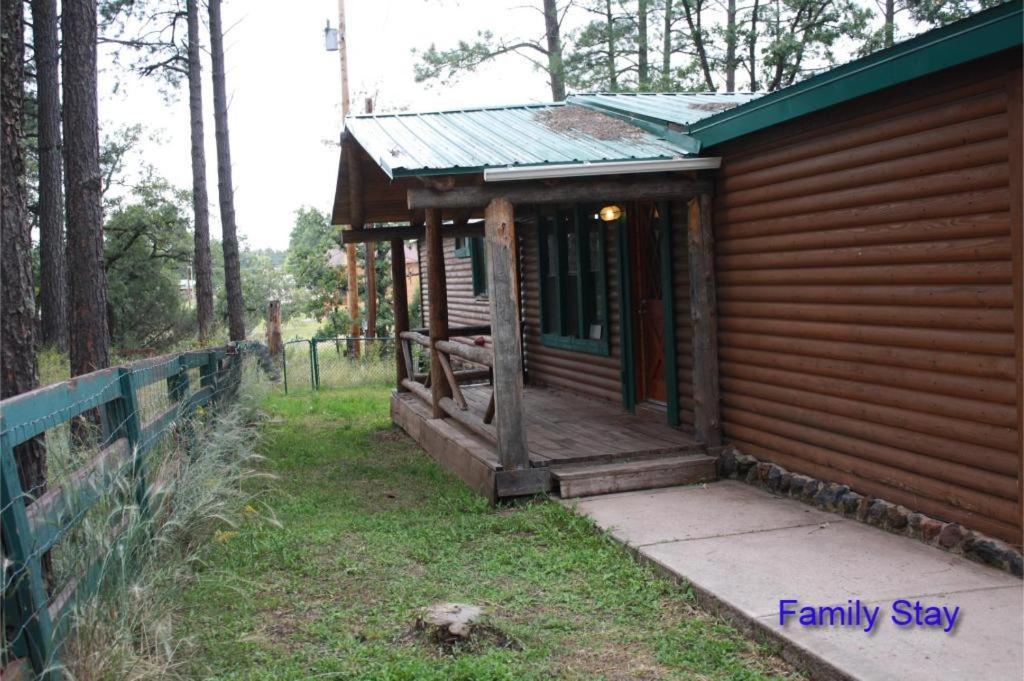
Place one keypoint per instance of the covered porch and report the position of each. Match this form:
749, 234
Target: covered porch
568, 434
503, 438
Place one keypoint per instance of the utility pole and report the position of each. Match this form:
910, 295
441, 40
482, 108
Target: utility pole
371, 267
351, 263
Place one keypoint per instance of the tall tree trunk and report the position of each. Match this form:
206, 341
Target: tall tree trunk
890, 21
666, 48
693, 22
643, 70
613, 75
87, 279
200, 199
53, 283
752, 48
17, 354
730, 46
229, 237
556, 67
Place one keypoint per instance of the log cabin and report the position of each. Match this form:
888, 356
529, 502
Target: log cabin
827, 277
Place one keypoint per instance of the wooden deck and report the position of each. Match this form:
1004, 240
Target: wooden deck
562, 429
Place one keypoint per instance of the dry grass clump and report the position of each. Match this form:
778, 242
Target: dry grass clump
197, 495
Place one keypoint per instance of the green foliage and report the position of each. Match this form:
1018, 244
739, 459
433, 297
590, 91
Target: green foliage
148, 249
776, 43
313, 261
372, 531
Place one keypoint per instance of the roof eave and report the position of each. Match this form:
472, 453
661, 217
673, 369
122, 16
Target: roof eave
986, 34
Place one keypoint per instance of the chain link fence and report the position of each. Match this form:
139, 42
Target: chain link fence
342, 362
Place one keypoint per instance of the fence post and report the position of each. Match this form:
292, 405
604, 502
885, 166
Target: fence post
208, 375
274, 344
178, 384
284, 366
315, 364
123, 413
30, 602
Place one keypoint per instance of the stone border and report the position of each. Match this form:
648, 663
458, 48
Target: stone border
831, 496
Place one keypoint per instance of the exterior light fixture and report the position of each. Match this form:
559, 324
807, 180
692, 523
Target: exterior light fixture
610, 213
330, 38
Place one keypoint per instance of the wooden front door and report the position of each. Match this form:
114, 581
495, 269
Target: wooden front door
648, 294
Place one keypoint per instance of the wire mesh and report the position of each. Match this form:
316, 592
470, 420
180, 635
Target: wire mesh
96, 483
342, 362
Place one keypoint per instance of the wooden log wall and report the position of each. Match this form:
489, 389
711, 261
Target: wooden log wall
595, 375
464, 309
866, 297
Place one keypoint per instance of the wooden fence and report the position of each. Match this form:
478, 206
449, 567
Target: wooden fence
37, 622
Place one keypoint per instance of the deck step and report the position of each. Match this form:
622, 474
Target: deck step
582, 480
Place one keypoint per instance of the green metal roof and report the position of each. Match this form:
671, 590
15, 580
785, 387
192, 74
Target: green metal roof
981, 35
679, 108
471, 140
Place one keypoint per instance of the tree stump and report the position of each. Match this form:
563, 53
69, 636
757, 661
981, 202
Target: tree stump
450, 623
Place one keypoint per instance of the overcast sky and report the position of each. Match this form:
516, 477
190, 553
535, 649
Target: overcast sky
285, 94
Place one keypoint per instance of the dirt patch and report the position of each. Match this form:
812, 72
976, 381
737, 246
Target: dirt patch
614, 661
393, 434
577, 119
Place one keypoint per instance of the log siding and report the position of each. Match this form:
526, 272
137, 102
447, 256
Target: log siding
866, 297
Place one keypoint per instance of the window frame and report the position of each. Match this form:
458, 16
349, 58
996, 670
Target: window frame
561, 337
478, 266
462, 247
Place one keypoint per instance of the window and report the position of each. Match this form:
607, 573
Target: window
573, 283
478, 254
473, 247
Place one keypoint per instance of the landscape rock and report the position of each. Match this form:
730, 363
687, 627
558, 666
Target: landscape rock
896, 517
951, 535
727, 463
877, 513
796, 485
811, 488
1016, 563
986, 551
850, 504
744, 462
931, 528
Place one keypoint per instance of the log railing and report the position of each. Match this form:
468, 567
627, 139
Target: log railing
456, 406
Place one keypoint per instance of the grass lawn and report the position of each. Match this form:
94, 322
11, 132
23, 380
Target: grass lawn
372, 531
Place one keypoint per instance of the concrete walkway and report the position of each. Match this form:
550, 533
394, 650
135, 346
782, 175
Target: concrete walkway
744, 550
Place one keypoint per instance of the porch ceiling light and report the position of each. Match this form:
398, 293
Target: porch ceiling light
587, 169
610, 213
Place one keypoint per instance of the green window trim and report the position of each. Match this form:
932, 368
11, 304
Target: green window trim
472, 247
478, 264
588, 296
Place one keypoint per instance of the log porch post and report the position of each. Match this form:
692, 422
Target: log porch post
500, 236
704, 313
438, 318
400, 283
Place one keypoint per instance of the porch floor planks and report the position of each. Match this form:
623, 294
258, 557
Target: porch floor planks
563, 427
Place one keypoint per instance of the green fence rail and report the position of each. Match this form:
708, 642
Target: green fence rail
130, 409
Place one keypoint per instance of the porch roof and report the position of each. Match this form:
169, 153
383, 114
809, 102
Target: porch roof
469, 141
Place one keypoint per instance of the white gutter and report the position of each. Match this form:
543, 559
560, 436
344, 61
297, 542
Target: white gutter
588, 169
